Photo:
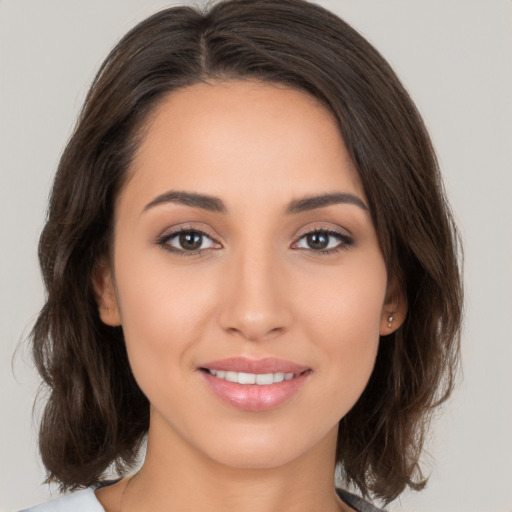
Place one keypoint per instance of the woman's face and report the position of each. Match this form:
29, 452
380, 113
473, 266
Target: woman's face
244, 248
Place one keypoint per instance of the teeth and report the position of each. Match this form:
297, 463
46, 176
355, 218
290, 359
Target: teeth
247, 378
261, 379
232, 376
264, 379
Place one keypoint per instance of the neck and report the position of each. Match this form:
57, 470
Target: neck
176, 477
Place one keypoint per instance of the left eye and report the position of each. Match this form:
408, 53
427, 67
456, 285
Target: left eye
322, 240
187, 241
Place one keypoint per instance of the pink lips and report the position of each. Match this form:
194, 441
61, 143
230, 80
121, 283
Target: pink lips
254, 397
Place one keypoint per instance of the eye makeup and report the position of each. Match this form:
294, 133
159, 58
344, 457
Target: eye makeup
189, 241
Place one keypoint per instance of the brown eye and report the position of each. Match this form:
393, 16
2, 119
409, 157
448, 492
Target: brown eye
324, 241
190, 241
317, 240
186, 241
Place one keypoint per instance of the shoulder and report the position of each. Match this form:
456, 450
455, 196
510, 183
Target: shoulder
86, 501
79, 501
357, 503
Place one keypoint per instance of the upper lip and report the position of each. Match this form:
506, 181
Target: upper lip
258, 366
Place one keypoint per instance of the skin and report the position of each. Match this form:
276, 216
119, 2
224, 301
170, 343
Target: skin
257, 289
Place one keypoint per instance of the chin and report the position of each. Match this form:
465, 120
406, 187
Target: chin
267, 448
255, 458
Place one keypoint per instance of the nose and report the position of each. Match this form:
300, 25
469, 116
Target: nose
256, 302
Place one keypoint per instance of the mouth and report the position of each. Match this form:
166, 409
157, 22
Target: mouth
254, 385
258, 379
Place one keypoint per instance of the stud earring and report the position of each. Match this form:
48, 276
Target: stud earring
390, 320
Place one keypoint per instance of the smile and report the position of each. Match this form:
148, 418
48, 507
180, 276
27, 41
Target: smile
254, 384
259, 379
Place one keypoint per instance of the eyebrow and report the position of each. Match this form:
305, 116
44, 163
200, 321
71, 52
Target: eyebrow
209, 203
320, 201
214, 204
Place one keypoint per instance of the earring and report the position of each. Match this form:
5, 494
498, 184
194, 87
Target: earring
390, 320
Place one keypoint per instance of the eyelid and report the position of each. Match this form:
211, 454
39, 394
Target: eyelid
312, 228
186, 226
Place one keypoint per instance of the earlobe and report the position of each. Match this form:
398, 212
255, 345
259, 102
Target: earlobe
391, 320
105, 294
394, 310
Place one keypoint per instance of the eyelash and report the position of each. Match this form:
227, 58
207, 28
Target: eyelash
165, 239
345, 241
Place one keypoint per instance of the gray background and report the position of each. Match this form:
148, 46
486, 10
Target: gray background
454, 56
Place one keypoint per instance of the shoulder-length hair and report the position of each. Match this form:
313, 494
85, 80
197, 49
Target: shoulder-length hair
96, 415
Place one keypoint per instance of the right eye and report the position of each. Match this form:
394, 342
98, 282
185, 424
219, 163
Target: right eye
183, 241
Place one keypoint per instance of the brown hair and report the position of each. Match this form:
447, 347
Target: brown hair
96, 415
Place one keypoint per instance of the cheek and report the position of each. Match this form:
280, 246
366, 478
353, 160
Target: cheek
346, 303
342, 314
163, 312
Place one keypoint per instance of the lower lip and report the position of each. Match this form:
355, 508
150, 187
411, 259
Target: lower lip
254, 397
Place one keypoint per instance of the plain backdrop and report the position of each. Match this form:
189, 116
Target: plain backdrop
455, 58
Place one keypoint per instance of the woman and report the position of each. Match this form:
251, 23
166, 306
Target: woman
250, 265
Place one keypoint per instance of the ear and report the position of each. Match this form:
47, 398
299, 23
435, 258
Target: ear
105, 293
394, 309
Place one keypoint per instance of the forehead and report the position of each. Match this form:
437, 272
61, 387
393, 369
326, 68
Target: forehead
242, 138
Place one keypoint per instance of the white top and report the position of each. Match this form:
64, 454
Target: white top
79, 501
86, 501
